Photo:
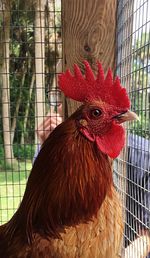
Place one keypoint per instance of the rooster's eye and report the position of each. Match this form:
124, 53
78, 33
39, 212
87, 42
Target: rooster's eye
95, 113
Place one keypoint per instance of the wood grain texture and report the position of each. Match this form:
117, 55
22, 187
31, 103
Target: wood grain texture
88, 33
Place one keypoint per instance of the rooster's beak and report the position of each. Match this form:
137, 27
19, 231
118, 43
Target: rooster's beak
127, 116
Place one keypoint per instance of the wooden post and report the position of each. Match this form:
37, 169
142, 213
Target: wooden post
88, 33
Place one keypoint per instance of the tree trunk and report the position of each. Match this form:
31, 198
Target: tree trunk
39, 62
15, 116
5, 37
27, 109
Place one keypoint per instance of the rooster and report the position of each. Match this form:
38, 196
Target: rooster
70, 208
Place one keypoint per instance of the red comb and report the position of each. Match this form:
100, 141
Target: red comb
87, 88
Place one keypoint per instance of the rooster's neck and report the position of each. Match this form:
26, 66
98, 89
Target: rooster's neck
67, 186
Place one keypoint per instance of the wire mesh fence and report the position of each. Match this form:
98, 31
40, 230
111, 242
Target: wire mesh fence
133, 66
31, 54
31, 58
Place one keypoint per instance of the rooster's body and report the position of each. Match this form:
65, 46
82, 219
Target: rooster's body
70, 208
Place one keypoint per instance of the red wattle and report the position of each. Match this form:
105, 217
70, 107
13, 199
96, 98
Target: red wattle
112, 142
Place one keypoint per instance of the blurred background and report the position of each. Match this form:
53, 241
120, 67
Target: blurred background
30, 59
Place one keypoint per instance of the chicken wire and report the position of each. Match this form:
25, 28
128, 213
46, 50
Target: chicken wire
32, 33
31, 58
132, 168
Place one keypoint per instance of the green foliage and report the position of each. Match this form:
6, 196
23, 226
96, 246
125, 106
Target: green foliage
22, 68
4, 165
22, 62
1, 153
139, 90
141, 47
24, 152
21, 152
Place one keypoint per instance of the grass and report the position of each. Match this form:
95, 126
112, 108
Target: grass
12, 186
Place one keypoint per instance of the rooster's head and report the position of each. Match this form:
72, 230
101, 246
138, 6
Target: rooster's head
105, 107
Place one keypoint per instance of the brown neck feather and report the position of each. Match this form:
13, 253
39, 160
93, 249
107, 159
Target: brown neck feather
64, 191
